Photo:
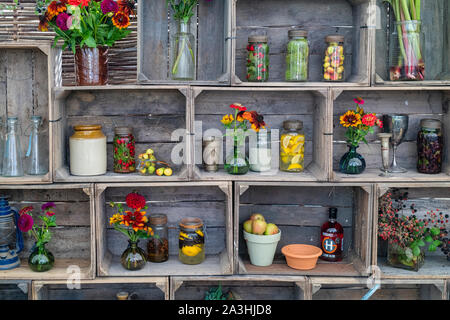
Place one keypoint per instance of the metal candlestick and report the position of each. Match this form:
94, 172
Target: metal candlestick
384, 137
397, 125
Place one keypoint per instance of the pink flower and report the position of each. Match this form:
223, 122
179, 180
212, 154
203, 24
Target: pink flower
25, 223
109, 6
369, 119
359, 101
50, 213
61, 21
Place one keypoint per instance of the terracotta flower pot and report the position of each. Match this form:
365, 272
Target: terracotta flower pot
301, 256
91, 66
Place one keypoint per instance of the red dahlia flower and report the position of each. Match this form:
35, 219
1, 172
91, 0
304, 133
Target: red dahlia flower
238, 106
25, 223
135, 201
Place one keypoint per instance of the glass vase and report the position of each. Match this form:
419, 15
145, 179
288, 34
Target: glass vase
40, 259
237, 163
406, 59
352, 162
182, 66
133, 258
399, 257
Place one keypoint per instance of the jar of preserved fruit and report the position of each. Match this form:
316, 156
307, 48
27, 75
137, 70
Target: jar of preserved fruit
333, 62
87, 151
257, 59
292, 146
430, 146
124, 150
191, 241
297, 56
158, 245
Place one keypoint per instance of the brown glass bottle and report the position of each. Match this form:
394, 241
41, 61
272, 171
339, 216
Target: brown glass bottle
332, 238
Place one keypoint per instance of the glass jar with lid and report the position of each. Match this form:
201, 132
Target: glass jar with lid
191, 241
124, 150
297, 56
257, 59
430, 146
333, 61
292, 146
87, 151
260, 150
158, 244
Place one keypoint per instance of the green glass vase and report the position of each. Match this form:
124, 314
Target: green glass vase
40, 259
352, 162
133, 258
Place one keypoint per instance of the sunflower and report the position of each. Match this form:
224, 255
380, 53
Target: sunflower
227, 119
350, 119
121, 20
256, 120
127, 7
116, 218
43, 23
55, 8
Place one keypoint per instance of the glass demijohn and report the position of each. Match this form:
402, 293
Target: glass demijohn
182, 64
36, 163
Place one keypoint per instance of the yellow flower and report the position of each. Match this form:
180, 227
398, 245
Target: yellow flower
350, 119
115, 218
227, 119
359, 110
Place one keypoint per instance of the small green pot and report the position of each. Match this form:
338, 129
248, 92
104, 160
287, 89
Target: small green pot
261, 248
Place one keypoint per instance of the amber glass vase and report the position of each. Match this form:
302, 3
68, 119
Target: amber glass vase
91, 66
133, 258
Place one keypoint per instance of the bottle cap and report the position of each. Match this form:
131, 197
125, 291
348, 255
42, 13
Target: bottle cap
122, 131
332, 213
255, 39
191, 223
298, 33
430, 123
293, 125
334, 38
157, 219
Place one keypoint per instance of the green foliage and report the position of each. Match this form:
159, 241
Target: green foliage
183, 10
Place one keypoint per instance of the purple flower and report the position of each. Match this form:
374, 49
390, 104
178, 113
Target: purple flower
61, 21
25, 223
47, 205
109, 6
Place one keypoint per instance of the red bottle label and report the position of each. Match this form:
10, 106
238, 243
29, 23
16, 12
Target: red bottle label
332, 245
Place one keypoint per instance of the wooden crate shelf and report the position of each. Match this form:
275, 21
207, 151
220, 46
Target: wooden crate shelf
356, 288
436, 27
26, 78
15, 290
242, 287
72, 243
320, 18
299, 210
150, 288
425, 196
164, 109
310, 106
156, 26
212, 202
428, 102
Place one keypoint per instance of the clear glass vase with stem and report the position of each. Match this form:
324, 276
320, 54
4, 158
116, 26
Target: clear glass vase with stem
182, 66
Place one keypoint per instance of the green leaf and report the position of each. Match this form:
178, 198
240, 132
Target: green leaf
420, 243
432, 248
416, 251
90, 42
428, 238
435, 231
436, 243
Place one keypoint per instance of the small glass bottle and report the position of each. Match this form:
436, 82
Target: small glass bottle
12, 155
332, 238
257, 59
36, 159
191, 241
430, 146
333, 62
297, 56
124, 150
292, 146
260, 151
158, 245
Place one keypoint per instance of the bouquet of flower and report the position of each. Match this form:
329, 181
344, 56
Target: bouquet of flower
41, 234
407, 231
133, 223
242, 118
410, 63
359, 123
90, 23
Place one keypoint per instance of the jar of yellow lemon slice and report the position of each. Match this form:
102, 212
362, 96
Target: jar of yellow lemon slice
292, 146
191, 241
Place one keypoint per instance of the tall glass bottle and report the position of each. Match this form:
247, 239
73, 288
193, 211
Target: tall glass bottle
12, 154
36, 160
182, 65
332, 238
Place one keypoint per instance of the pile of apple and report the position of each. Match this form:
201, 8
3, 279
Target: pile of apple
258, 225
148, 162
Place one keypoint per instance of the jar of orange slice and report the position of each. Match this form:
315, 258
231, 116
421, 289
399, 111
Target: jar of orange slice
292, 146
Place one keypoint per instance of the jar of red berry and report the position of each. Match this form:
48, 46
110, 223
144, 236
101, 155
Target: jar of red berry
124, 150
